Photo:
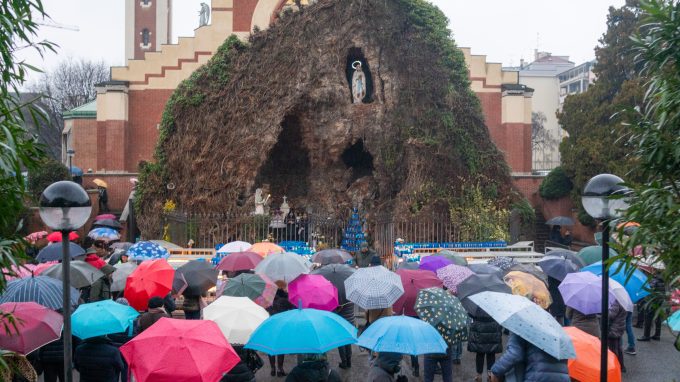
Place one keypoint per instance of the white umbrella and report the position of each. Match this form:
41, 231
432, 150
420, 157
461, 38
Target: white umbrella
237, 317
119, 277
235, 246
283, 266
621, 295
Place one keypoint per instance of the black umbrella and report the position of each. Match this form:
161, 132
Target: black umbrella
107, 223
43, 290
557, 267
560, 220
567, 254
486, 269
331, 256
53, 252
479, 283
336, 274
530, 269
199, 276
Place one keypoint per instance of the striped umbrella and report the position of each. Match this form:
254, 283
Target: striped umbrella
374, 287
43, 290
258, 288
452, 275
104, 233
146, 250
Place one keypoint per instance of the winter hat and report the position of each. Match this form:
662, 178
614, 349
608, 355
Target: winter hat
155, 302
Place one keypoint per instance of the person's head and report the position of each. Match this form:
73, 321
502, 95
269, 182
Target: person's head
364, 247
155, 302
101, 247
375, 261
281, 284
88, 242
389, 362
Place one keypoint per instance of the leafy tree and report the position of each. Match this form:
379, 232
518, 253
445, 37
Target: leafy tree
48, 172
593, 119
556, 185
541, 139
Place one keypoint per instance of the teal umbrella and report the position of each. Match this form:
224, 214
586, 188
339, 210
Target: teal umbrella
440, 309
404, 335
593, 254
256, 287
101, 318
521, 316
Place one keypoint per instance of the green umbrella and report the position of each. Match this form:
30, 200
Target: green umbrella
593, 254
258, 288
443, 311
453, 256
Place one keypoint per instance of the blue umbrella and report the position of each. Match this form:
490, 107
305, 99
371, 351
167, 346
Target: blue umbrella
635, 286
104, 233
43, 290
674, 321
402, 334
53, 252
146, 250
528, 320
301, 331
101, 318
557, 267
76, 171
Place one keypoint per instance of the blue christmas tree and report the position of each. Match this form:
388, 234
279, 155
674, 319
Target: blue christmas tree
354, 233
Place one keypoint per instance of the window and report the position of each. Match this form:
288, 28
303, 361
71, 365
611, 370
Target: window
146, 37
146, 2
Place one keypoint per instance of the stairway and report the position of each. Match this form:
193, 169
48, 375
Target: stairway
541, 232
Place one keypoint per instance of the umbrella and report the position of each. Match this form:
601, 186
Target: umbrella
124, 245
18, 271
583, 292
100, 183
302, 331
336, 274
180, 350
557, 267
569, 255
527, 320
43, 290
53, 252
374, 287
560, 220
149, 279
82, 274
234, 246
404, 335
476, 284
265, 248
40, 268
529, 286
104, 216
258, 288
239, 261
331, 256
237, 317
443, 311
107, 223
635, 285
674, 321
36, 326
35, 236
411, 265
101, 318
433, 263
76, 171
502, 262
452, 275
55, 237
413, 282
453, 256
145, 250
486, 269
621, 295
530, 269
593, 254
586, 366
104, 233
313, 291
283, 266
120, 276
199, 275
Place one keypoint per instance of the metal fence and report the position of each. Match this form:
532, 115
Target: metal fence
435, 228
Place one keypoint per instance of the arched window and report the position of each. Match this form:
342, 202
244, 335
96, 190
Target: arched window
145, 2
146, 37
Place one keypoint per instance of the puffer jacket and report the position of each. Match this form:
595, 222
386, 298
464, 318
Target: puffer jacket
240, 373
486, 336
54, 351
539, 366
588, 323
98, 360
313, 371
617, 320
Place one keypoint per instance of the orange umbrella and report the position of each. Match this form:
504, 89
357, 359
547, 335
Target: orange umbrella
265, 248
527, 285
586, 366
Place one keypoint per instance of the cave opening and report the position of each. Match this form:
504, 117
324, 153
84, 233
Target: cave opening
354, 55
359, 160
287, 167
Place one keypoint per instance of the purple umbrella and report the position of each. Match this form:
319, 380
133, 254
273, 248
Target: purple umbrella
583, 292
452, 275
433, 263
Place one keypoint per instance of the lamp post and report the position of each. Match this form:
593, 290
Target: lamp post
603, 199
65, 207
70, 153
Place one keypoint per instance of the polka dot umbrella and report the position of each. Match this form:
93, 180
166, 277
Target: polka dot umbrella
443, 311
146, 250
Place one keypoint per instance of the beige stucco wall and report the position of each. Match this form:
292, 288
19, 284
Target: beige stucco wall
112, 105
163, 21
546, 100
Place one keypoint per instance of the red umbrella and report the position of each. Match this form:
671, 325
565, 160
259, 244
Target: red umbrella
413, 281
180, 350
36, 326
104, 217
239, 261
150, 279
314, 291
55, 237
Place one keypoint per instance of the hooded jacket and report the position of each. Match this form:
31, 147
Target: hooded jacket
98, 360
539, 366
385, 367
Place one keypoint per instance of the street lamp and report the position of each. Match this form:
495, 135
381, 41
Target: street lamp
65, 207
604, 198
70, 153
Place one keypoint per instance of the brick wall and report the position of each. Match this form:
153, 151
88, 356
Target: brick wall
118, 191
145, 17
84, 138
243, 14
146, 108
517, 146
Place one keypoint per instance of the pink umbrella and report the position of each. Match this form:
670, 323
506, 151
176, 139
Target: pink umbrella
413, 281
18, 271
314, 291
38, 269
35, 236
452, 275
239, 261
36, 326
104, 217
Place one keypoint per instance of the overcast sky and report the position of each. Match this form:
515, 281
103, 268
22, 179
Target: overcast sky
505, 31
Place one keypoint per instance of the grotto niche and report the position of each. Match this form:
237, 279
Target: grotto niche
277, 112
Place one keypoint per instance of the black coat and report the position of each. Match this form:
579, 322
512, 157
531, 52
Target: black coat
557, 308
313, 371
54, 351
486, 335
240, 373
98, 360
281, 303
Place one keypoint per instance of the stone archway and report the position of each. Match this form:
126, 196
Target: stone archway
266, 12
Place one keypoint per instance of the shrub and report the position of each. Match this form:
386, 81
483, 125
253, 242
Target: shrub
48, 172
556, 185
